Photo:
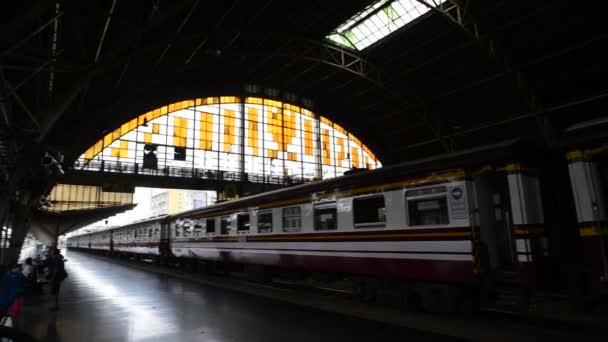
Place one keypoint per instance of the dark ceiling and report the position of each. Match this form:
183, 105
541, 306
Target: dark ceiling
507, 68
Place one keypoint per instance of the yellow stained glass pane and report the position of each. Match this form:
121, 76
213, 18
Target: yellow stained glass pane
342, 151
308, 137
133, 124
148, 138
115, 152
88, 155
156, 128
206, 131
180, 132
354, 155
163, 110
124, 129
252, 141
325, 147
116, 134
124, 144
107, 140
273, 153
229, 139
292, 156
98, 147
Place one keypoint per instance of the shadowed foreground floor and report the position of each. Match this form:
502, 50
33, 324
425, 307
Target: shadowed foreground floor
104, 301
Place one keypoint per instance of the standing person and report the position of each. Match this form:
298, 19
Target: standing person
56, 275
12, 285
31, 279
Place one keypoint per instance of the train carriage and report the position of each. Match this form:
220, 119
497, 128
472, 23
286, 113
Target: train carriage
139, 238
462, 221
453, 219
587, 154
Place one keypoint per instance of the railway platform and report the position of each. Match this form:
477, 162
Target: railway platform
106, 299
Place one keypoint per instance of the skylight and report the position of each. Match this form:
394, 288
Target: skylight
377, 21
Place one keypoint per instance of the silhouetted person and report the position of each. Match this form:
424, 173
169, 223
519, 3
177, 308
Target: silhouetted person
56, 275
12, 291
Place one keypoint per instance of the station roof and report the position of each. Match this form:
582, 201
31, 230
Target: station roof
463, 74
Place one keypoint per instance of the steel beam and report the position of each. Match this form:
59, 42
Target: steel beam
459, 12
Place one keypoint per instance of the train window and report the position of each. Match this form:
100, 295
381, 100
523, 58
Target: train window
242, 223
187, 229
265, 222
326, 216
225, 225
292, 219
428, 211
369, 212
210, 225
198, 228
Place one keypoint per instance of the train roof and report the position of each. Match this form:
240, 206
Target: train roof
506, 151
142, 221
586, 134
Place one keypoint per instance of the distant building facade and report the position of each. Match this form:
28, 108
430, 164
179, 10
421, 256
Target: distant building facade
171, 201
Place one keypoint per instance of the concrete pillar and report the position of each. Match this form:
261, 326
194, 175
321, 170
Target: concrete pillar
19, 223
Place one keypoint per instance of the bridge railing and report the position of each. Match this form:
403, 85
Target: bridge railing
187, 172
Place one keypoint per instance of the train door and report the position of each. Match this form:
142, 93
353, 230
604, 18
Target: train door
495, 220
164, 246
589, 180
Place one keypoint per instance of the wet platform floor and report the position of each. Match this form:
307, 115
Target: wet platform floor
105, 301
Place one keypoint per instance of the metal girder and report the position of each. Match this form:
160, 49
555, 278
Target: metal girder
459, 12
29, 36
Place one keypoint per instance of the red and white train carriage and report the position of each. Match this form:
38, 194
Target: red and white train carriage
458, 220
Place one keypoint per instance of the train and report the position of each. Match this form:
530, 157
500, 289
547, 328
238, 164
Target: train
444, 233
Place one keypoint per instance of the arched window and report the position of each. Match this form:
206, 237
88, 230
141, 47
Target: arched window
227, 137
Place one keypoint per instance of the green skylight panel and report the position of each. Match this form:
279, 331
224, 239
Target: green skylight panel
377, 21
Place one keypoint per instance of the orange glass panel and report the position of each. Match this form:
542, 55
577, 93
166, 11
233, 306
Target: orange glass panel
98, 147
180, 132
88, 155
107, 140
325, 147
354, 155
148, 138
116, 134
341, 153
229, 138
292, 156
155, 128
275, 126
206, 131
308, 137
273, 154
124, 129
252, 141
289, 128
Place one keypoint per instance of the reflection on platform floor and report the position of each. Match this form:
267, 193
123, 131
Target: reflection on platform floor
104, 301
